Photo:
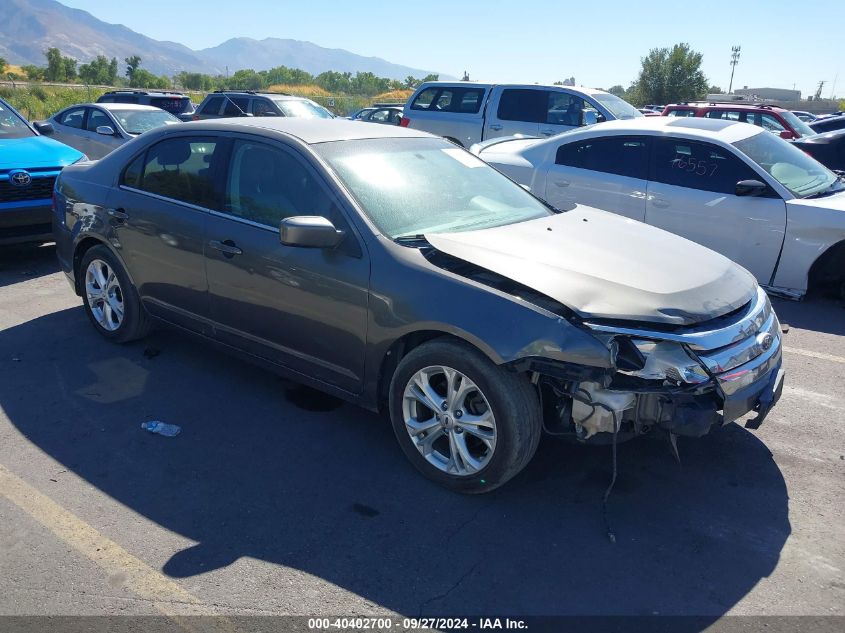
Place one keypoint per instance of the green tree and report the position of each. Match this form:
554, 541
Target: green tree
3, 64
431, 77
132, 65
617, 90
334, 82
34, 73
715, 90
246, 79
670, 75
99, 71
142, 78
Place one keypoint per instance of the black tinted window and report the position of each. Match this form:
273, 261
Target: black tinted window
523, 105
267, 184
180, 168
132, 173
449, 99
73, 117
235, 106
624, 156
699, 166
212, 106
566, 109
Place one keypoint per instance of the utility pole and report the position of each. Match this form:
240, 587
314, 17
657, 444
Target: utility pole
734, 61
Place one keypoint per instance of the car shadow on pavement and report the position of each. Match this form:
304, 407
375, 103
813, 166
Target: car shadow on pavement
27, 261
330, 493
815, 313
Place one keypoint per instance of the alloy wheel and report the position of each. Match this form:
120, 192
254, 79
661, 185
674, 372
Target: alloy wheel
104, 294
449, 420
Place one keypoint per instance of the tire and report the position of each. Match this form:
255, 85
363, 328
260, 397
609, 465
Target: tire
494, 417
102, 295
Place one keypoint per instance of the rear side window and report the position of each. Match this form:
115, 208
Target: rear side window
517, 104
728, 115
700, 166
179, 168
449, 99
681, 113
106, 99
174, 105
235, 106
73, 117
623, 156
212, 106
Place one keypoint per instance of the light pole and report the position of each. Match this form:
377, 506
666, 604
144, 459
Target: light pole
734, 61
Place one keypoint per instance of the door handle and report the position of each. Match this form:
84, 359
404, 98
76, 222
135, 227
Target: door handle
660, 203
561, 183
496, 127
118, 214
227, 247
547, 132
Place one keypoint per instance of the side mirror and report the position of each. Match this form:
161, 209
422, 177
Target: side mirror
105, 130
751, 188
589, 118
309, 231
786, 134
44, 128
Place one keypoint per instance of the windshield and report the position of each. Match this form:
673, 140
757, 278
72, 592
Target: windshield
413, 186
140, 121
303, 109
797, 124
11, 125
619, 108
795, 170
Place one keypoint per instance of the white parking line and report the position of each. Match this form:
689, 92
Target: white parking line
819, 355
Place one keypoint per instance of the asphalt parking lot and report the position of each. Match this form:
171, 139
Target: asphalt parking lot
274, 500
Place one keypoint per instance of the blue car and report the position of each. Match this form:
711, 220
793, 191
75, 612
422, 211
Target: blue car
29, 164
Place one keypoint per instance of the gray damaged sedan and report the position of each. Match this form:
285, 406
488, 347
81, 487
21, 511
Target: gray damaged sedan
399, 272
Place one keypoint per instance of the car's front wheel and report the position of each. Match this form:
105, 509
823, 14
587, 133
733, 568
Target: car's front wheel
464, 422
111, 301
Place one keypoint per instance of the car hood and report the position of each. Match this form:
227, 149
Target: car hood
35, 151
602, 265
836, 202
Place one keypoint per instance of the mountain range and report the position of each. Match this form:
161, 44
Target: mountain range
30, 27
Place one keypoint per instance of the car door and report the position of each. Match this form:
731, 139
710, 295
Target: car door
515, 111
101, 144
68, 128
608, 173
304, 308
692, 192
159, 211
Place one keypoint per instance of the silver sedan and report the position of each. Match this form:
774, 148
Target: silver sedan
98, 128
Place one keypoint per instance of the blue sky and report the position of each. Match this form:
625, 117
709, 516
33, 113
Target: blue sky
600, 43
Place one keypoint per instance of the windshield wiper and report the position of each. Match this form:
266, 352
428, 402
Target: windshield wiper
827, 192
410, 239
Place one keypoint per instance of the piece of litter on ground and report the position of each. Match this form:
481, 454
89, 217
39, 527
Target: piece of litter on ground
161, 428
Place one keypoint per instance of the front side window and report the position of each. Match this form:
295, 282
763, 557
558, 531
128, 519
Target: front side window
797, 124
520, 104
412, 186
263, 107
380, 116
235, 106
11, 125
303, 109
802, 175
213, 105
771, 124
267, 184
566, 109
181, 169
618, 107
623, 156
700, 166
73, 118
97, 118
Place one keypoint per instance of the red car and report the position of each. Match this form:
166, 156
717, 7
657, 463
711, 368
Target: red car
775, 119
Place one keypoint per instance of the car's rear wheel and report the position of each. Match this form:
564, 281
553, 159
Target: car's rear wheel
111, 301
461, 420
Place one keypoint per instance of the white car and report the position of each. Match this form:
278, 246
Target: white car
95, 129
730, 186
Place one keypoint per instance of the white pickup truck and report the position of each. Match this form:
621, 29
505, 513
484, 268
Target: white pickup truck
469, 112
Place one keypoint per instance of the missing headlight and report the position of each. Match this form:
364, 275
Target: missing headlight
662, 361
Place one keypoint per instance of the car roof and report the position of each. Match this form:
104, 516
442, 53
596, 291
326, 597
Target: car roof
169, 93
480, 84
731, 105
691, 127
251, 93
310, 131
124, 106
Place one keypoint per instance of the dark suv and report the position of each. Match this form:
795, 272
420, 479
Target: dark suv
233, 103
175, 103
772, 118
